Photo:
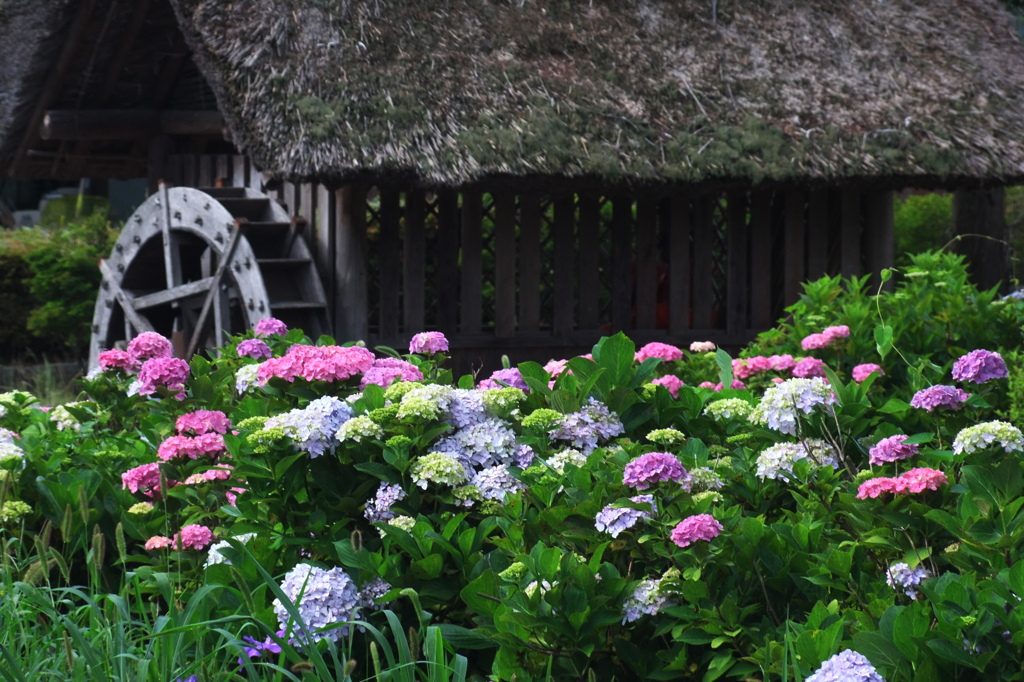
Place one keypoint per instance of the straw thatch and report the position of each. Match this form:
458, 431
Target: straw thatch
30, 32
630, 91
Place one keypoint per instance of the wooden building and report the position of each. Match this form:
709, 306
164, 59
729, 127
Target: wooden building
525, 175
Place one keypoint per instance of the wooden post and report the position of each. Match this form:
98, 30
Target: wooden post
589, 235
350, 263
680, 266
471, 318
795, 267
817, 233
622, 253
448, 261
413, 262
850, 232
737, 320
646, 262
703, 289
390, 268
564, 229
761, 313
504, 263
979, 223
529, 263
878, 234
159, 148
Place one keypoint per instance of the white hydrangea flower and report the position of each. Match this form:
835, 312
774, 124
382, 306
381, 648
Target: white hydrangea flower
567, 456
729, 408
215, 557
359, 428
437, 467
245, 378
425, 402
987, 434
777, 461
782, 403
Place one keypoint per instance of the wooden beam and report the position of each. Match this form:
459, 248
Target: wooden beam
170, 295
130, 315
878, 242
127, 124
54, 81
350, 263
979, 222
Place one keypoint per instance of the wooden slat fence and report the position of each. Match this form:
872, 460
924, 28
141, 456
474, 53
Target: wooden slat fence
534, 275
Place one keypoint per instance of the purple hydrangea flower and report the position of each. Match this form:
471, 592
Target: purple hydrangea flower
481, 445
313, 428
428, 342
269, 326
613, 520
902, 577
254, 348
322, 598
647, 598
653, 467
980, 366
892, 449
378, 508
593, 424
496, 483
372, 592
948, 397
846, 666
508, 377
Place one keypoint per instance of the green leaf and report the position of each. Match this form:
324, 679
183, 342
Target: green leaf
980, 482
883, 340
481, 595
464, 638
724, 362
945, 649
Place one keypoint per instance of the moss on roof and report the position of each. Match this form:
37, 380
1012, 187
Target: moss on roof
628, 91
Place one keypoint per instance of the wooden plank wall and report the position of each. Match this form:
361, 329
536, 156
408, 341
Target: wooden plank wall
508, 272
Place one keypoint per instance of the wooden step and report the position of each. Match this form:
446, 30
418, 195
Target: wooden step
224, 192
253, 210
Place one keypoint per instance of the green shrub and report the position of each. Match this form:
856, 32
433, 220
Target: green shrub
921, 222
48, 286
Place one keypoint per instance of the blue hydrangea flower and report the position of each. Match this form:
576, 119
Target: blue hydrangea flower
593, 425
496, 483
466, 408
846, 666
378, 507
613, 520
480, 445
313, 428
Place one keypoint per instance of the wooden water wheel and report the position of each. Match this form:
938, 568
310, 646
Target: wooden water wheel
194, 264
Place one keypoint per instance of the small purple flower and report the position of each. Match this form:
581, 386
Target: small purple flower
270, 326
613, 520
979, 366
427, 343
378, 507
257, 648
892, 449
948, 397
902, 577
254, 348
653, 467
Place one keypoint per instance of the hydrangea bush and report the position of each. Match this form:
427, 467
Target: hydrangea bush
601, 517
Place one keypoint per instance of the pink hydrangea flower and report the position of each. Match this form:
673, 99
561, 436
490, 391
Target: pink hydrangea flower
782, 363
702, 347
933, 397
317, 363
555, 367
232, 495
426, 343
654, 467
186, 447
158, 542
194, 479
203, 421
254, 348
862, 372
708, 384
143, 479
837, 332
808, 368
662, 351
672, 383
169, 373
921, 479
892, 449
115, 359
385, 371
222, 473
980, 366
193, 536
744, 368
270, 326
815, 341
149, 345
873, 487
699, 527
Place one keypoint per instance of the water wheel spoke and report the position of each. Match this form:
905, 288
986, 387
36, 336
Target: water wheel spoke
174, 294
140, 323
214, 296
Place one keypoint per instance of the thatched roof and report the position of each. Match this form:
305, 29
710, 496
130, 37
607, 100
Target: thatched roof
31, 32
450, 92
633, 91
